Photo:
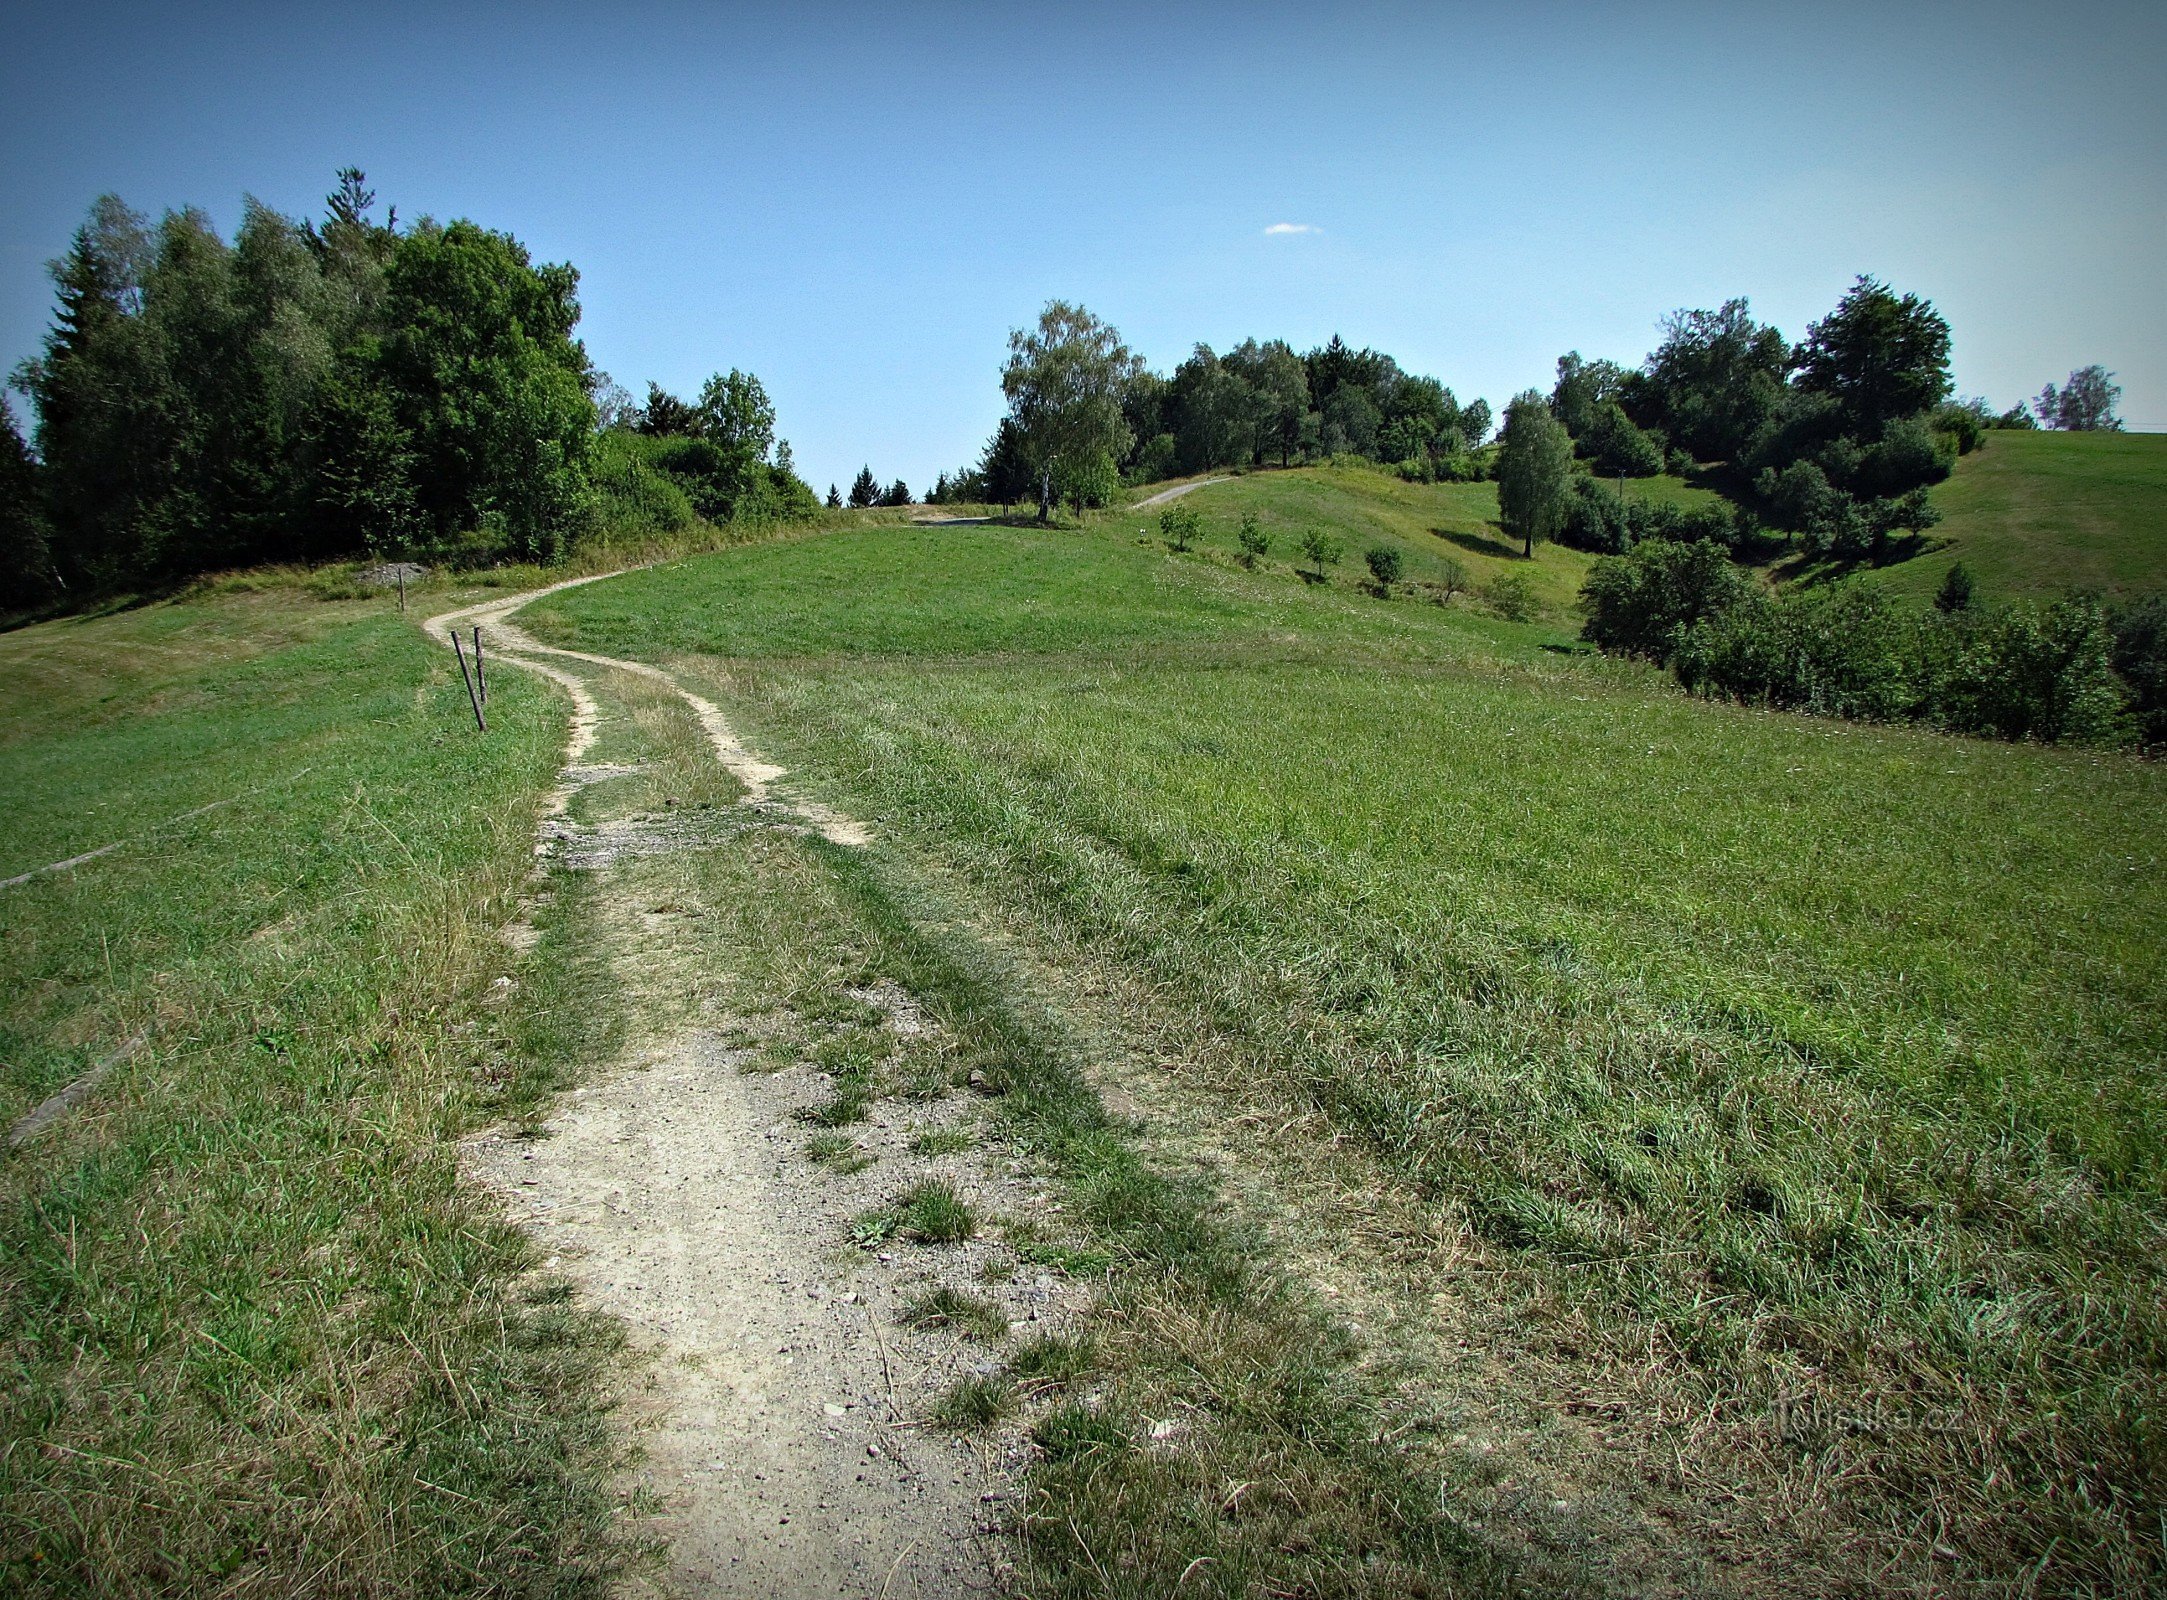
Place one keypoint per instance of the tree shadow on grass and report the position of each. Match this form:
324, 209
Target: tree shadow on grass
1478, 543
1800, 567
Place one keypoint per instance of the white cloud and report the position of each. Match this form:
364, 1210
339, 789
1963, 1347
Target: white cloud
1292, 227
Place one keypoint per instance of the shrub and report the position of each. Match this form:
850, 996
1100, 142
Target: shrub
1848, 651
1252, 538
2139, 629
1843, 651
1179, 525
1384, 565
2032, 673
1451, 576
1639, 604
633, 496
1088, 483
1511, 596
1618, 449
1322, 549
1956, 592
1907, 456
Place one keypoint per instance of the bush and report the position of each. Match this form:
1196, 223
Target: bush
1841, 651
1252, 538
1179, 525
1608, 523
1511, 596
1384, 565
634, 497
1963, 422
1846, 650
1639, 604
1618, 449
2030, 673
1908, 455
1090, 482
2139, 629
1451, 576
1322, 549
1956, 592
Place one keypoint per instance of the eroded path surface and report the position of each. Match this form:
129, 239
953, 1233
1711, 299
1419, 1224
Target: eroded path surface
688, 1188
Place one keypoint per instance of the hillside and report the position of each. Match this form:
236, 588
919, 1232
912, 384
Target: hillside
1660, 1025
2040, 513
1432, 524
1203, 1037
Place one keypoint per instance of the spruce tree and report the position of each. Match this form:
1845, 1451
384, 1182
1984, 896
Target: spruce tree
835, 499
864, 490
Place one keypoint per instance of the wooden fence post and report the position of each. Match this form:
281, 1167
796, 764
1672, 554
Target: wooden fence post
474, 699
481, 678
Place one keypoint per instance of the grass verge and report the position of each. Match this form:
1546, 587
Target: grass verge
256, 1336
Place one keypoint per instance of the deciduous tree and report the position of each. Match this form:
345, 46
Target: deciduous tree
1064, 382
2085, 404
1534, 471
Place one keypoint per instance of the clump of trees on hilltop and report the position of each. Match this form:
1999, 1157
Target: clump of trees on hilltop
1835, 440
1086, 415
312, 389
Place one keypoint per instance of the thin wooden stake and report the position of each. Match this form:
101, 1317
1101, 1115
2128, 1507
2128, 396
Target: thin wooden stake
402, 591
481, 678
474, 698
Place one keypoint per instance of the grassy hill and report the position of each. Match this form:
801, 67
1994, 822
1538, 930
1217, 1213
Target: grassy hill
1430, 523
1717, 1140
1743, 1062
2041, 513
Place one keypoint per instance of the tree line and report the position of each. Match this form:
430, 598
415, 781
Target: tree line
335, 387
1086, 415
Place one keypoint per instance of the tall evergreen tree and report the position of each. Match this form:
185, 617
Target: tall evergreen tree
26, 563
864, 488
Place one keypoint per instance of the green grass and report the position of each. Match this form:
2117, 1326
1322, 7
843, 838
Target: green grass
2035, 514
837, 1152
971, 1404
1820, 1058
969, 1314
255, 1333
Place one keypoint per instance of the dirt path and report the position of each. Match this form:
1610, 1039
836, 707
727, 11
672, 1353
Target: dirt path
1175, 493
781, 1427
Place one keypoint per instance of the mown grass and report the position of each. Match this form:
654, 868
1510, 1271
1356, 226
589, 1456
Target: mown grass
1777, 1068
256, 1337
2035, 514
1363, 506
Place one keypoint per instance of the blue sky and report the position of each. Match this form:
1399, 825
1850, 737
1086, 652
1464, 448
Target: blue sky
858, 203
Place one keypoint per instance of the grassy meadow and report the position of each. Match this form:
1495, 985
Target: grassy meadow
256, 1336
2036, 514
1767, 1068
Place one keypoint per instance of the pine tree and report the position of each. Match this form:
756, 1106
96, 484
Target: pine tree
864, 490
898, 494
835, 500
